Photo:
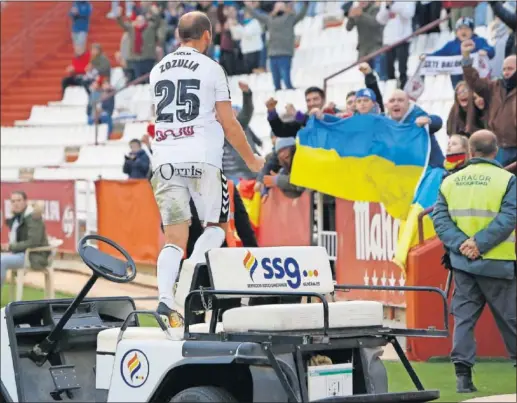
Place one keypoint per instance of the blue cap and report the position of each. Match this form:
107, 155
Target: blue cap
366, 93
284, 142
465, 22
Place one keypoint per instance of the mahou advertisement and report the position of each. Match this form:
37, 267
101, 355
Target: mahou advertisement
59, 212
367, 237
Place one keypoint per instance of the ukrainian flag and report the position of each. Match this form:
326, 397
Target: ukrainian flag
425, 197
363, 158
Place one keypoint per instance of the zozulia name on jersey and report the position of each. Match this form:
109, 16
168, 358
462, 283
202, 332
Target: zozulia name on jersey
175, 63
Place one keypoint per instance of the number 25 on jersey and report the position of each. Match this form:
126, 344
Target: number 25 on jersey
186, 107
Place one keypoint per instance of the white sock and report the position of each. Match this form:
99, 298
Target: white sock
168, 267
212, 237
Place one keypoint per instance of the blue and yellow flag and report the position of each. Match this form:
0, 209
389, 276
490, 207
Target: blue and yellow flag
363, 158
425, 197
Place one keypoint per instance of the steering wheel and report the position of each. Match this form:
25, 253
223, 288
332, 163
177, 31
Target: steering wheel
105, 265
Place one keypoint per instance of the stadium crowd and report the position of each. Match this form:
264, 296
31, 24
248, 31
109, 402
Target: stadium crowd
252, 37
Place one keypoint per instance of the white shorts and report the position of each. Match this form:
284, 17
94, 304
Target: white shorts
174, 186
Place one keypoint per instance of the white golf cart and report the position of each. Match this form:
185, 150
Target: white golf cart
94, 349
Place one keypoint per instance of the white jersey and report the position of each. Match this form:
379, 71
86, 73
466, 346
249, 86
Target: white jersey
185, 85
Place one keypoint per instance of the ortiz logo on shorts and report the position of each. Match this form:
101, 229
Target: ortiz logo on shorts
277, 269
176, 134
168, 171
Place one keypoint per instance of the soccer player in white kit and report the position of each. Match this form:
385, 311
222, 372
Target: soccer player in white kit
189, 90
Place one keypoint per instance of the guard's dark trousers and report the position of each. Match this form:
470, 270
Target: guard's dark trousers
471, 293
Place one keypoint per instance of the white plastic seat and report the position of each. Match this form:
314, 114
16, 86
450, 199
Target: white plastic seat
9, 174
292, 317
117, 78
107, 339
133, 130
23, 157
74, 96
68, 171
102, 156
54, 115
55, 135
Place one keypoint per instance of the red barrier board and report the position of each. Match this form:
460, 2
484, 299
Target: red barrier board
367, 237
285, 221
59, 213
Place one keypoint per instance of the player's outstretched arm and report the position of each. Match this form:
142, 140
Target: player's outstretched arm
236, 137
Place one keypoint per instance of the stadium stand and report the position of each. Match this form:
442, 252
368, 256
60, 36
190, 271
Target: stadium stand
35, 80
63, 123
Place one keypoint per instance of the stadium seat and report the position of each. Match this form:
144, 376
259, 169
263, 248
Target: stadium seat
52, 135
101, 156
117, 79
18, 157
74, 96
133, 130
72, 172
9, 174
54, 115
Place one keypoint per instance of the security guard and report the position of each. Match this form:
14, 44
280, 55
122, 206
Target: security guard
475, 218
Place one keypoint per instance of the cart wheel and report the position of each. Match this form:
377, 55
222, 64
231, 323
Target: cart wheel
204, 394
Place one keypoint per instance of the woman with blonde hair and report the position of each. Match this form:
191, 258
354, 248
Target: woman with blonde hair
467, 113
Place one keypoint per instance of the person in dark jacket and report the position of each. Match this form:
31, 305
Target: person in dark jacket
80, 14
464, 32
369, 33
99, 62
280, 24
314, 99
26, 230
142, 39
137, 163
501, 98
245, 233
233, 165
475, 219
510, 19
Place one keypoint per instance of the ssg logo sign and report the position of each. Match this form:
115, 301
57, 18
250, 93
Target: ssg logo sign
278, 273
134, 368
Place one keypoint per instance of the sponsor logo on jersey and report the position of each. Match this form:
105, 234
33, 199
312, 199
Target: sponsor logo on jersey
175, 134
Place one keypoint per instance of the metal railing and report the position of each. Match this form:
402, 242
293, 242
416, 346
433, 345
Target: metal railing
512, 168
384, 49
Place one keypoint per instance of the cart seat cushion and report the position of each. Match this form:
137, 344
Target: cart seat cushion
292, 317
107, 339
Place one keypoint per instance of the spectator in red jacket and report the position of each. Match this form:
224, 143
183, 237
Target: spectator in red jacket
77, 69
458, 9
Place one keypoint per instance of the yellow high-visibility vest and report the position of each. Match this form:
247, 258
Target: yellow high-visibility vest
474, 196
